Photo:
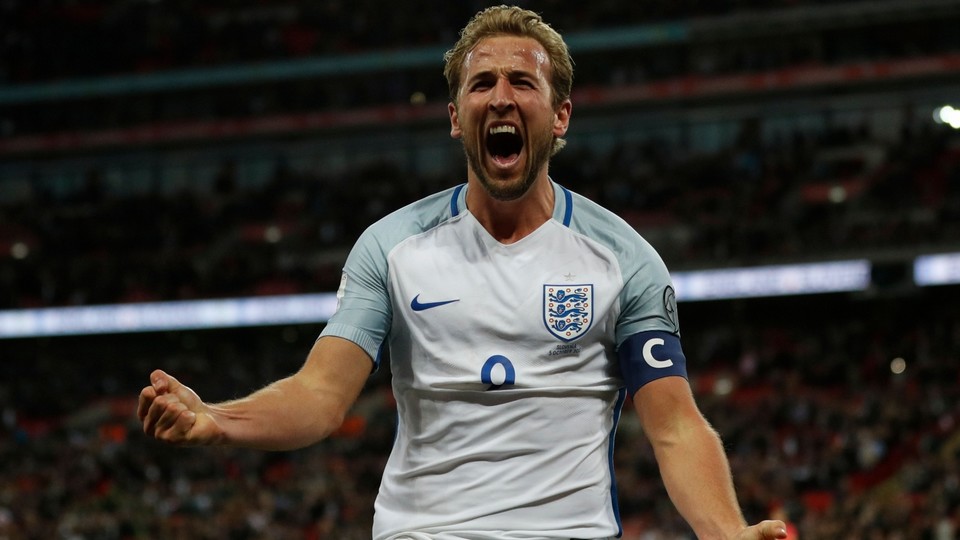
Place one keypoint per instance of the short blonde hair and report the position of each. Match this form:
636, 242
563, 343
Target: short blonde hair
511, 21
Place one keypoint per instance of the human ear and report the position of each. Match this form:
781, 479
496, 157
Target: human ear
562, 118
455, 131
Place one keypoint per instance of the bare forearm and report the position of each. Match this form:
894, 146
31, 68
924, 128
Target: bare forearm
692, 463
290, 413
282, 416
697, 476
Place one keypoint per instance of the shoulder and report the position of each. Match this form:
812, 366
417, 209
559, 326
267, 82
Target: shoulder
647, 298
413, 219
610, 230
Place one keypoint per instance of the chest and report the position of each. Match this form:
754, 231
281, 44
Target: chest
544, 305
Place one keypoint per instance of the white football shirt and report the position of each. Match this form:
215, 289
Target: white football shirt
504, 365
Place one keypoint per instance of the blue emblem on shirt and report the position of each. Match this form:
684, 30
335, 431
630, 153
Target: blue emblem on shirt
568, 310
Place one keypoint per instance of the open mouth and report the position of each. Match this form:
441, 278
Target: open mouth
504, 144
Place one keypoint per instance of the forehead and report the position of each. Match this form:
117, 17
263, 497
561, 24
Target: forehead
507, 53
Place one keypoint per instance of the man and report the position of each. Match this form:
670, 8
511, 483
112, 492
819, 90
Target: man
518, 316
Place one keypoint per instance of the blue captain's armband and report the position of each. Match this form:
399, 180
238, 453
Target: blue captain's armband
647, 356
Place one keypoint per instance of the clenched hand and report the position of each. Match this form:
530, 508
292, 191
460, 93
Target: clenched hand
173, 413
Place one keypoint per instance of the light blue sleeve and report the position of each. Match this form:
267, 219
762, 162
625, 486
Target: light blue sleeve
364, 308
647, 301
364, 311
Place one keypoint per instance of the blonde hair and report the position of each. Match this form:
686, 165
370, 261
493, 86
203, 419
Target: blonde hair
511, 21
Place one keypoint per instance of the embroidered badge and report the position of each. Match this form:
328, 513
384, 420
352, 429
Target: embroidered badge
568, 310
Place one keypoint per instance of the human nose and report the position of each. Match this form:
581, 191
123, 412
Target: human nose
501, 97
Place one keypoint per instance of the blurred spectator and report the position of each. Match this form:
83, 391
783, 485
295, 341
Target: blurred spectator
858, 450
74, 464
41, 45
837, 193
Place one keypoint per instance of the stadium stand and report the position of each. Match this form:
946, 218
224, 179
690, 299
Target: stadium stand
188, 152
835, 193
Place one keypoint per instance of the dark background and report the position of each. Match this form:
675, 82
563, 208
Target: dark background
156, 151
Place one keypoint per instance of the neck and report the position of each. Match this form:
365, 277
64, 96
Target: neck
511, 221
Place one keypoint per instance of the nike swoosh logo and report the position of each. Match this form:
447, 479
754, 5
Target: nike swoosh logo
417, 305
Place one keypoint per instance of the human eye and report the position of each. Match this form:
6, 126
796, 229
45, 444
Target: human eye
480, 84
524, 82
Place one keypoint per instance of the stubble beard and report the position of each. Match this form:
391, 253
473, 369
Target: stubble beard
538, 155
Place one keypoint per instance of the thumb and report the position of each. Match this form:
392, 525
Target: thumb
772, 529
164, 383
159, 380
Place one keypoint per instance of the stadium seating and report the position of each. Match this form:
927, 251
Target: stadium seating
728, 133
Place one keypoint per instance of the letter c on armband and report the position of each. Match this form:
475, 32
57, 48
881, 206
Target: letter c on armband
648, 354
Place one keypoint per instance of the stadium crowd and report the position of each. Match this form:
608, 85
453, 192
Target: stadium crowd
839, 412
165, 36
170, 35
838, 193
805, 391
821, 426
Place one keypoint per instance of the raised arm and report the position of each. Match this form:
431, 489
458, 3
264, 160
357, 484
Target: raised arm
693, 464
290, 413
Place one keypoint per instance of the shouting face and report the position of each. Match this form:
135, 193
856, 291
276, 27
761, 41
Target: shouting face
505, 116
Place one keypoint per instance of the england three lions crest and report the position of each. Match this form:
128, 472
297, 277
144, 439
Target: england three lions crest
568, 310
